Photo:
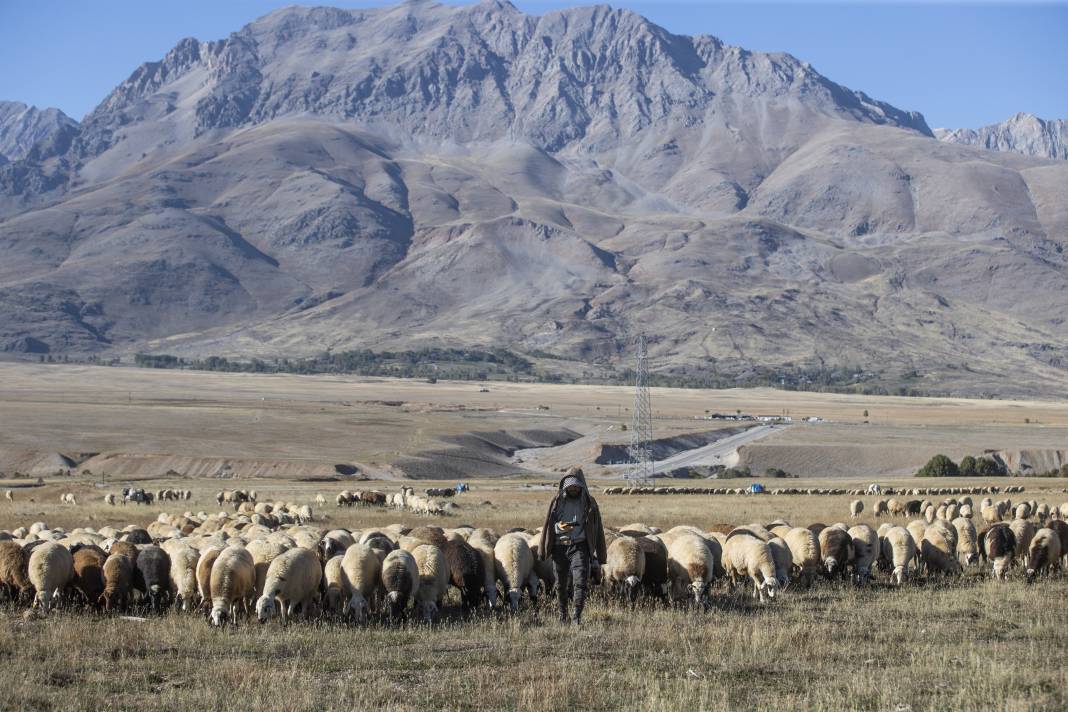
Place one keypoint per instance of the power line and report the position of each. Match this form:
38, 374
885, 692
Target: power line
641, 437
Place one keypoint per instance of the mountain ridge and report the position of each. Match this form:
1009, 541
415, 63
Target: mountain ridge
1021, 133
431, 175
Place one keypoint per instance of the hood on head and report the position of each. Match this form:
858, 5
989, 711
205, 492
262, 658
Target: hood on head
574, 476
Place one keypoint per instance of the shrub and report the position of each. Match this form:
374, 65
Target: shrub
967, 466
989, 467
939, 466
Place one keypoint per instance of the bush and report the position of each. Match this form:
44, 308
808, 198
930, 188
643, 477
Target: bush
939, 466
967, 466
776, 473
989, 467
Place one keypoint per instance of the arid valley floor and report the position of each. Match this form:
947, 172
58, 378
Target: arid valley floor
957, 643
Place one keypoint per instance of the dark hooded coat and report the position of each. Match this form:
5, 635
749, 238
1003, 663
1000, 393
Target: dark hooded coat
594, 528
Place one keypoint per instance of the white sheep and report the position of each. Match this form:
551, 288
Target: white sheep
515, 563
1023, 530
805, 553
625, 566
292, 580
183, 573
899, 550
784, 561
233, 584
483, 541
691, 566
360, 570
967, 541
263, 552
433, 580
855, 508
865, 551
1043, 553
749, 557
400, 580
939, 551
50, 570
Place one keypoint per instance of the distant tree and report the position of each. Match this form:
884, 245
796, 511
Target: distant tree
989, 467
939, 466
967, 466
1064, 470
865, 412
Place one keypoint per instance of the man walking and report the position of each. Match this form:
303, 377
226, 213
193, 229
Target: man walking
574, 537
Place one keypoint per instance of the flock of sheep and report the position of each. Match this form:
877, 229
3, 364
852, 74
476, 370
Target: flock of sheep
268, 559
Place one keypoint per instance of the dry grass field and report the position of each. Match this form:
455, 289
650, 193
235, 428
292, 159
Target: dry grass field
960, 644
967, 643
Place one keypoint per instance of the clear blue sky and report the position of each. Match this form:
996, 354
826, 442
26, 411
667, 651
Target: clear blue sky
961, 64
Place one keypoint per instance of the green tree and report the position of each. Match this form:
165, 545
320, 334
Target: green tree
939, 466
967, 466
989, 467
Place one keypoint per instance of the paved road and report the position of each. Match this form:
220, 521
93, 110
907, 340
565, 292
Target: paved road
714, 453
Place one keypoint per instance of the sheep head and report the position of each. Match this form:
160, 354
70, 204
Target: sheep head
264, 608
899, 575
513, 599
357, 608
698, 589
632, 584
218, 616
770, 587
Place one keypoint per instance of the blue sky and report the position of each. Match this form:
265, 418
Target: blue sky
961, 64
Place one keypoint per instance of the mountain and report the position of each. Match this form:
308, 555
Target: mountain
23, 127
1022, 133
432, 175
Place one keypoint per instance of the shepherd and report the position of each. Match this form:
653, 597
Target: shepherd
574, 537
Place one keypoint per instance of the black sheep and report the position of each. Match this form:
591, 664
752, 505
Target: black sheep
152, 576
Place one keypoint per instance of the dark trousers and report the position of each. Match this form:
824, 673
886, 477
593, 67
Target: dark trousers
572, 561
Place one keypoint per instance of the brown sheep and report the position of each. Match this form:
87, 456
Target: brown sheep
118, 581
89, 573
14, 576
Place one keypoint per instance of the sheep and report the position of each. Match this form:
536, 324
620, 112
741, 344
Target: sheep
966, 511
232, 584
88, 579
967, 541
433, 580
360, 571
152, 574
14, 571
514, 562
749, 557
465, 571
9, 495
896, 508
880, 508
50, 569
784, 561
691, 565
939, 552
263, 552
1061, 529
335, 588
990, 514
1042, 513
655, 580
109, 498
543, 569
118, 582
855, 508
292, 580
804, 552
899, 550
998, 545
1043, 553
836, 552
400, 581
865, 550
335, 542
183, 575
1023, 510
205, 564
625, 566
1023, 530
930, 514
